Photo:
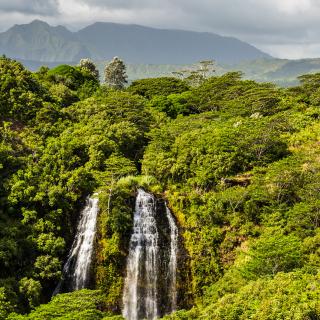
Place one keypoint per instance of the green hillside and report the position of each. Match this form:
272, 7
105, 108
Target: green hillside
237, 162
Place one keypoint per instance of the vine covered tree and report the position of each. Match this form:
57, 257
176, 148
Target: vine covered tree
115, 74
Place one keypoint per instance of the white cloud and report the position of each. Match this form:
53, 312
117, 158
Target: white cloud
294, 6
293, 51
47, 7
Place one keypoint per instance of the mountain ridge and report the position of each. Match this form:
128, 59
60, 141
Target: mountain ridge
39, 41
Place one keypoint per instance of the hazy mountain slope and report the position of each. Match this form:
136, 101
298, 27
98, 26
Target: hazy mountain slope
280, 71
139, 44
39, 41
293, 67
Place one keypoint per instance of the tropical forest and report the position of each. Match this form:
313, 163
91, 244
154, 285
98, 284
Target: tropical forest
190, 196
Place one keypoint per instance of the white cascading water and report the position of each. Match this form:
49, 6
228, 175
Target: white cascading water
76, 270
140, 296
172, 270
143, 252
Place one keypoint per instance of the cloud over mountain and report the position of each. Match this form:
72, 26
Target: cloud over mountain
285, 28
46, 8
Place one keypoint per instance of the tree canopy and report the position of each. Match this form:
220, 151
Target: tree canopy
237, 162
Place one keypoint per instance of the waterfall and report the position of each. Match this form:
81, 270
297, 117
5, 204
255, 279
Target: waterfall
142, 262
172, 272
76, 271
150, 279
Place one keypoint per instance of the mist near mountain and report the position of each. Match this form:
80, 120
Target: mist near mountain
38, 41
282, 72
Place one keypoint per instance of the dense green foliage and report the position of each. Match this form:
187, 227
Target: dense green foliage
242, 178
237, 161
84, 304
49, 163
20, 95
157, 87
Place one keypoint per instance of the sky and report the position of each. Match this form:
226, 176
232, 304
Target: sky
282, 28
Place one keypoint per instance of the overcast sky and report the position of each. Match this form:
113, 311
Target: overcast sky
283, 28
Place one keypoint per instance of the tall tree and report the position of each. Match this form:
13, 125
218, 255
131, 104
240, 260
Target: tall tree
115, 74
198, 73
89, 65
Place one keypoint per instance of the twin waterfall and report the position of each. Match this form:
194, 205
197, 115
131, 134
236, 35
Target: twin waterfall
150, 286
77, 269
150, 289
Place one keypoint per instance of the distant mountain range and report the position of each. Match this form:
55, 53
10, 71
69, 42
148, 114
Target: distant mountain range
38, 41
148, 52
